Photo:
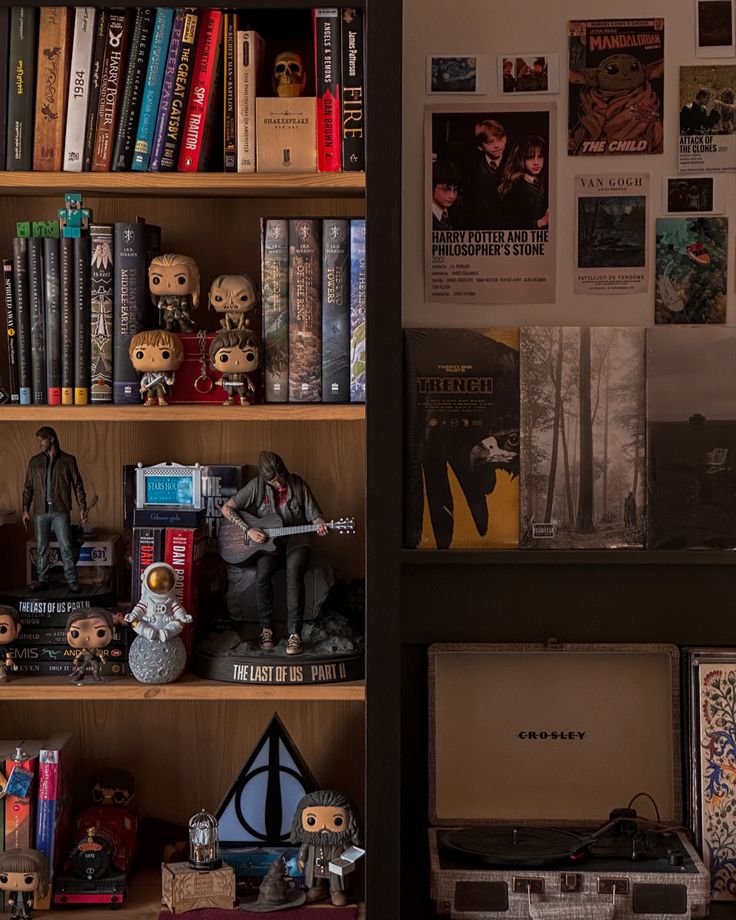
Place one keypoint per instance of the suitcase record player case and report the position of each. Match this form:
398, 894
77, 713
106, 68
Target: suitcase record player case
531, 750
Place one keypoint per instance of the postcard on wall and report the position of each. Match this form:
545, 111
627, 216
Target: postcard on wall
692, 195
457, 73
611, 234
616, 77
714, 29
707, 118
528, 72
490, 203
692, 254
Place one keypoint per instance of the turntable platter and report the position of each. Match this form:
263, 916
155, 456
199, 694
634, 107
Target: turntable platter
514, 846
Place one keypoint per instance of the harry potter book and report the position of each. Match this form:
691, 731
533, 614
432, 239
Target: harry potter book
95, 80
336, 310
21, 87
305, 311
275, 298
82, 299
52, 86
112, 80
133, 87
169, 156
462, 439
352, 113
83, 45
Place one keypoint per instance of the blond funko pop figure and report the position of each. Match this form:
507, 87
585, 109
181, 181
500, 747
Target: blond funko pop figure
234, 296
156, 354
236, 353
173, 281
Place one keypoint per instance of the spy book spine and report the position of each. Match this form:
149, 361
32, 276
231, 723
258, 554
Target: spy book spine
131, 306
95, 80
66, 278
275, 288
167, 89
326, 26
79, 87
230, 94
305, 311
152, 90
205, 59
52, 87
250, 56
357, 310
21, 87
101, 322
180, 93
111, 90
22, 318
135, 77
353, 112
38, 325
148, 547
52, 305
82, 299
10, 328
336, 310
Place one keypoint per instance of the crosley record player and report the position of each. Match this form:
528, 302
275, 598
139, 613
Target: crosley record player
555, 787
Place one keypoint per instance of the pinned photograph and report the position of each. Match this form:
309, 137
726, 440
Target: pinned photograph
690, 195
714, 28
457, 74
707, 118
528, 72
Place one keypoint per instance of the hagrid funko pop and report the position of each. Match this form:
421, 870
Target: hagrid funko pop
157, 355
235, 296
237, 353
173, 281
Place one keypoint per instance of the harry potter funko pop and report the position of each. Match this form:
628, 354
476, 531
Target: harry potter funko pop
23, 872
236, 354
234, 296
173, 281
157, 355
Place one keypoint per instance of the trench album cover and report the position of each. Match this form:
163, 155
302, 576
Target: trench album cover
462, 439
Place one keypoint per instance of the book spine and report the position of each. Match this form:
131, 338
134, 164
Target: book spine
326, 27
152, 90
203, 74
275, 299
180, 95
19, 812
118, 29
66, 276
167, 90
52, 86
10, 327
305, 311
131, 307
46, 815
357, 310
45, 636
64, 668
101, 319
95, 80
52, 307
38, 328
79, 87
148, 547
4, 63
82, 334
135, 78
21, 87
249, 61
353, 113
183, 551
336, 310
22, 318
229, 96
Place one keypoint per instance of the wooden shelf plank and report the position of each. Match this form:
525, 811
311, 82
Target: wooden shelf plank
315, 412
50, 689
247, 185
568, 557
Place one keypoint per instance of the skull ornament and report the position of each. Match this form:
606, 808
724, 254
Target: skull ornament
289, 75
234, 296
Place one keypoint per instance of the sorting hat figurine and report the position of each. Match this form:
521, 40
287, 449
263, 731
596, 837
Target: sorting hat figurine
274, 892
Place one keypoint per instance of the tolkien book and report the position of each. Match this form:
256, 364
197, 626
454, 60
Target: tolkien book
95, 80
135, 78
148, 547
582, 437
173, 57
203, 78
21, 87
52, 309
353, 113
230, 92
275, 299
111, 88
326, 25
52, 86
82, 300
4, 58
691, 437
10, 329
132, 306
250, 59
286, 138
462, 439
38, 320
67, 312
336, 310
305, 310
180, 93
83, 46
101, 320
152, 89
22, 318
358, 277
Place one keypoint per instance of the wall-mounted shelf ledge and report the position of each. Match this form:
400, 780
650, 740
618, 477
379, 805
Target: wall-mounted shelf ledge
568, 557
314, 412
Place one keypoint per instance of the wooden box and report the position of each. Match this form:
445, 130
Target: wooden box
184, 888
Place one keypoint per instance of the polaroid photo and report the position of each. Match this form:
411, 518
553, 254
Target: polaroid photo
715, 36
692, 195
525, 73
457, 73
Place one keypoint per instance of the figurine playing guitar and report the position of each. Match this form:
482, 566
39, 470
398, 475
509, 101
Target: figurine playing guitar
234, 549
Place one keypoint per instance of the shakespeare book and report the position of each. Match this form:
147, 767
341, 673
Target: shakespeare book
135, 79
358, 293
22, 65
101, 319
52, 86
582, 437
336, 310
286, 139
83, 45
462, 439
275, 298
352, 109
305, 310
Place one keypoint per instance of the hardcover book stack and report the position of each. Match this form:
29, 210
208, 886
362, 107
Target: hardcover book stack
155, 89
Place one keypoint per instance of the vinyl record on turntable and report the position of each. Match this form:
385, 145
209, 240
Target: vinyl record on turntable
514, 846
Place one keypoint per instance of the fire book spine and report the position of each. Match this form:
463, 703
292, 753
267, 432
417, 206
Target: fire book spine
101, 299
275, 288
82, 299
135, 77
22, 318
357, 310
113, 63
52, 306
180, 95
205, 59
52, 87
79, 87
66, 278
4, 58
152, 90
336, 310
21, 87
167, 89
229, 96
250, 58
353, 115
326, 26
305, 311
10, 326
131, 307
38, 326
95, 80
148, 547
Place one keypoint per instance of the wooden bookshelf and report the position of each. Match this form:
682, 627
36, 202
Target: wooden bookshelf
316, 412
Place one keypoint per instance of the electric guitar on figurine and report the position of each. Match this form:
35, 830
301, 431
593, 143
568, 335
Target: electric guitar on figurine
234, 549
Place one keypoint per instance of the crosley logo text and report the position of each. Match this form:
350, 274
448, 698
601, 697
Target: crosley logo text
552, 736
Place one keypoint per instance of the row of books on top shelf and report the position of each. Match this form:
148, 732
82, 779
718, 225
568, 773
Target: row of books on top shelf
154, 89
571, 438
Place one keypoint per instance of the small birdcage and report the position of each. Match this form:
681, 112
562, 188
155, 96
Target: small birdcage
204, 842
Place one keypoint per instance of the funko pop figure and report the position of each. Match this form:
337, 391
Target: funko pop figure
157, 355
23, 872
173, 281
234, 296
236, 354
88, 629
9, 629
112, 787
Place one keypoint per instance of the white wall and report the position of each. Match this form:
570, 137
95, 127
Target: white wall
492, 27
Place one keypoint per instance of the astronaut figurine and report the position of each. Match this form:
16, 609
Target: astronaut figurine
157, 655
